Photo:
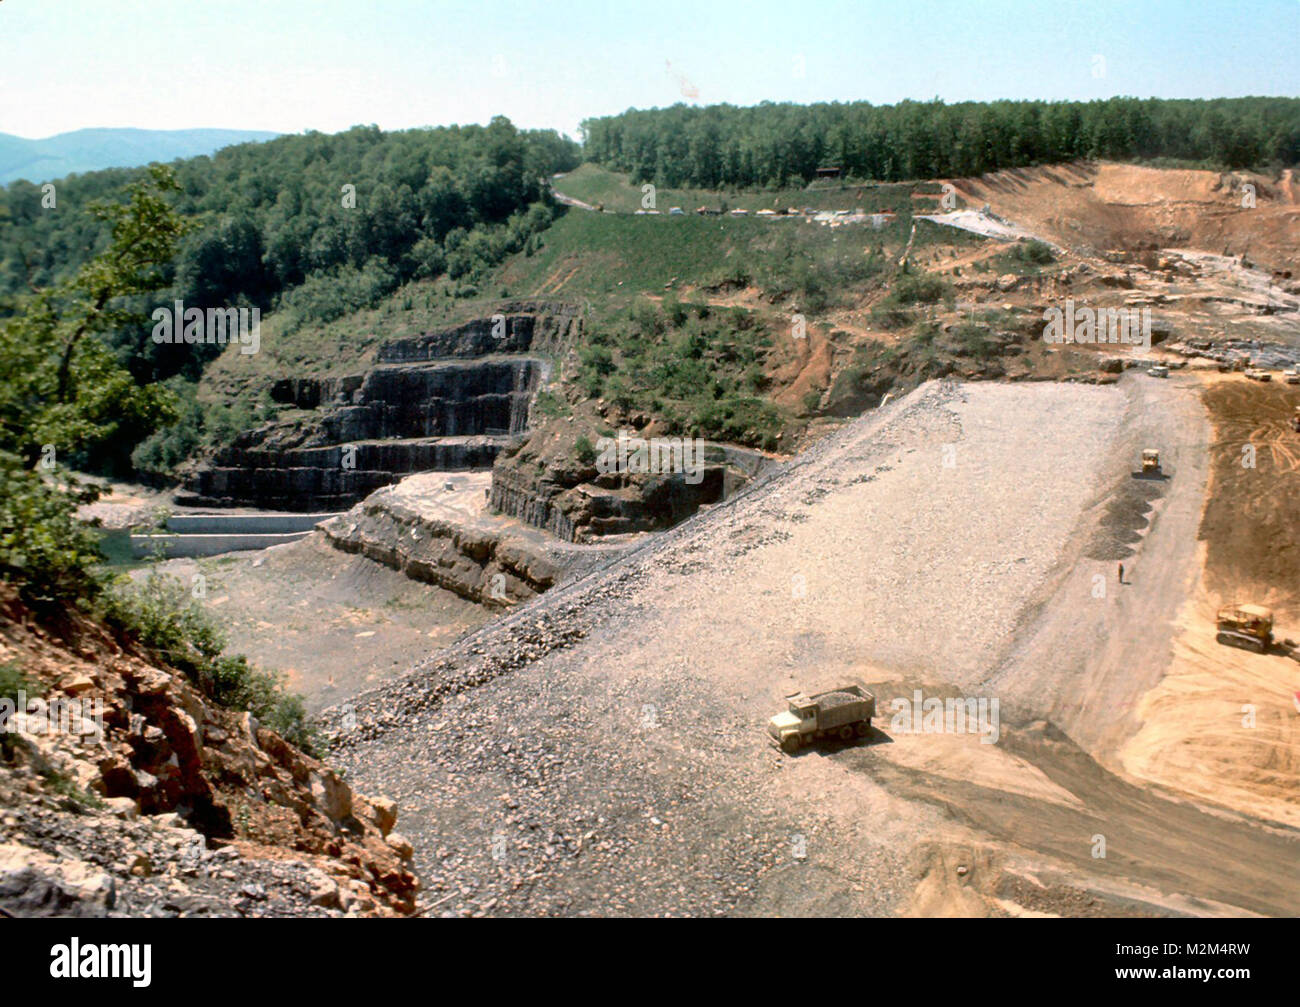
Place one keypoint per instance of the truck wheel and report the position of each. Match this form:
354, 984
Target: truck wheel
846, 733
790, 744
864, 728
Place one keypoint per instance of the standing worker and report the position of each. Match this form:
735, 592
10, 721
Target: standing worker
1121, 573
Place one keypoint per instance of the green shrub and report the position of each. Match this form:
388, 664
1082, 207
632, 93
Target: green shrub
888, 315
1034, 251
240, 686
342, 290
550, 405
584, 450
13, 681
674, 310
44, 548
918, 288
67, 788
1024, 258
161, 614
163, 617
740, 419
972, 341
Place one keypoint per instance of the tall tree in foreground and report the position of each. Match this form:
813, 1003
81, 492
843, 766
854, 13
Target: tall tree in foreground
63, 395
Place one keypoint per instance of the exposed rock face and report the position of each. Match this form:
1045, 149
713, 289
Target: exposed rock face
578, 503
519, 327
169, 772
449, 399
308, 393
270, 474
457, 558
456, 544
443, 400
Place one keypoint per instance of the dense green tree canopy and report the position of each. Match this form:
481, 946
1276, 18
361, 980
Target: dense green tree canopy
783, 144
64, 397
360, 211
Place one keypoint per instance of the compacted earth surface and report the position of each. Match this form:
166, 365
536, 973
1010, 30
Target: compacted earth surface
602, 749
331, 622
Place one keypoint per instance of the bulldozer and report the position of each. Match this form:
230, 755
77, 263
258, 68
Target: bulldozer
1150, 462
1247, 626
1295, 420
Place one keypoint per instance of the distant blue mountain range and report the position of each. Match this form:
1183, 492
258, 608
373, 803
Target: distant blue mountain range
92, 149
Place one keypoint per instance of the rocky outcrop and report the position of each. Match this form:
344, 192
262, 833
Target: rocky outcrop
309, 393
148, 775
329, 477
444, 536
449, 399
401, 419
544, 327
443, 400
578, 503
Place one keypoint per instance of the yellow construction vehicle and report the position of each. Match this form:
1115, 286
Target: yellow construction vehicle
1150, 462
1248, 626
845, 712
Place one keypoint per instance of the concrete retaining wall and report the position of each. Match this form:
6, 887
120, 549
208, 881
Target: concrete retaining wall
257, 524
208, 545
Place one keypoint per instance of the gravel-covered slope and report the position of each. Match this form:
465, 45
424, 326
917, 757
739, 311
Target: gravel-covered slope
602, 749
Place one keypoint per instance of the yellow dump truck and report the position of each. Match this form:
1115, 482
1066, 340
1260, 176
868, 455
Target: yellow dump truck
1248, 626
843, 713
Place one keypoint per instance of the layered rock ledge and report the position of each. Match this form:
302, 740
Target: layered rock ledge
445, 400
437, 528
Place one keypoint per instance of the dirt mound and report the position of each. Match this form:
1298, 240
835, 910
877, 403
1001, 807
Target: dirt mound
1221, 725
1105, 206
1251, 524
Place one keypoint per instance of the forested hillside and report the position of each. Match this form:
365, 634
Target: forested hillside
317, 224
781, 144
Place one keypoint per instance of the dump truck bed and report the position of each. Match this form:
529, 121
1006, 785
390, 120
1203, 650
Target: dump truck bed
843, 706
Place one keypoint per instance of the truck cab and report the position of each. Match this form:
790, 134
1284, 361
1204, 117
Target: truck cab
798, 720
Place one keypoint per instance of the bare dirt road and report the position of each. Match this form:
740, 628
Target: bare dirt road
1222, 722
601, 749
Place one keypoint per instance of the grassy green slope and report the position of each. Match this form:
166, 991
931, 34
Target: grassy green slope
613, 190
609, 264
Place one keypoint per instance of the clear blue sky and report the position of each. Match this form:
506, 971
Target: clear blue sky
290, 65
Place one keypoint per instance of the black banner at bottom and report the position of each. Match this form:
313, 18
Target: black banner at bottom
896, 957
